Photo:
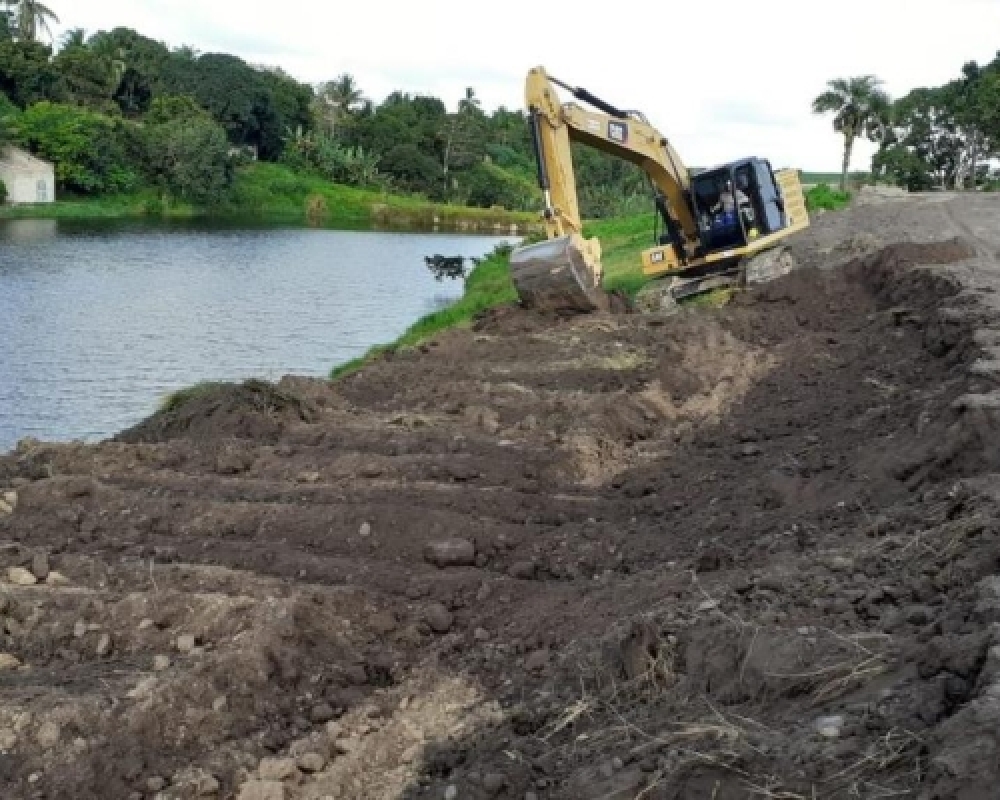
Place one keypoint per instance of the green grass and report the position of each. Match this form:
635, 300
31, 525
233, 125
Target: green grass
272, 191
175, 400
824, 198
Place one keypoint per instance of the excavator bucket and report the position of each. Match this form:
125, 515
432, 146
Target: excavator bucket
562, 274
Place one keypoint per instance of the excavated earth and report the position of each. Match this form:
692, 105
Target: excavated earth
751, 552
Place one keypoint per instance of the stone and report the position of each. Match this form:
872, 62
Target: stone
311, 762
829, 727
365, 530
334, 730
161, 663
206, 785
451, 793
530, 796
262, 790
220, 704
383, 623
481, 635
919, 615
156, 784
48, 735
450, 553
7, 661
80, 629
537, 661
40, 566
439, 618
320, 713
186, 642
56, 579
10, 500
19, 576
8, 739
371, 471
708, 605
494, 782
277, 769
841, 564
5, 507
104, 645
522, 570
146, 624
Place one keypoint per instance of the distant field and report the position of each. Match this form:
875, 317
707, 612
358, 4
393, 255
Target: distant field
832, 178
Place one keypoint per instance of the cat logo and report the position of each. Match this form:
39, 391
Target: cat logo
618, 132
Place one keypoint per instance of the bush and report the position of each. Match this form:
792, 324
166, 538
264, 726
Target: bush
3, 193
827, 199
87, 148
189, 158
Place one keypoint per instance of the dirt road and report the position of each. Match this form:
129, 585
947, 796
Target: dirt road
751, 552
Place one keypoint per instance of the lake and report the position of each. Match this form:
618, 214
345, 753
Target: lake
99, 321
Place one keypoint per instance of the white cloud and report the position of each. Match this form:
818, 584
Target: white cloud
722, 80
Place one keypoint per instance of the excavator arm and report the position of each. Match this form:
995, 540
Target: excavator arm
628, 136
565, 272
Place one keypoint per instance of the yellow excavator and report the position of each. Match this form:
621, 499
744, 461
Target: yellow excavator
721, 226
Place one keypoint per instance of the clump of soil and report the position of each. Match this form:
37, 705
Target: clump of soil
254, 409
744, 552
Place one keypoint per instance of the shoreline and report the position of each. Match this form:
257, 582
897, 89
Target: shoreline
273, 193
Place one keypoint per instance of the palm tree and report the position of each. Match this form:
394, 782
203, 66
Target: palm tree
338, 99
860, 107
74, 37
33, 17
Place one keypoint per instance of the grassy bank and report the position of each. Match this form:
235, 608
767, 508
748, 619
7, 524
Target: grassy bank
271, 191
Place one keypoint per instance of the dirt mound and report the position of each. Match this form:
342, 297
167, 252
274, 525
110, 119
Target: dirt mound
254, 409
745, 552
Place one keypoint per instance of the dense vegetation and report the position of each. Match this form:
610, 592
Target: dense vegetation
944, 137
120, 113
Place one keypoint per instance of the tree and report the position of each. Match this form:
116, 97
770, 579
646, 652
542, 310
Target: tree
336, 101
27, 74
34, 17
87, 149
90, 79
74, 37
860, 108
188, 156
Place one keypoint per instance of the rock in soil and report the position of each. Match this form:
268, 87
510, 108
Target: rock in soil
40, 566
439, 618
277, 769
450, 553
311, 762
262, 790
19, 576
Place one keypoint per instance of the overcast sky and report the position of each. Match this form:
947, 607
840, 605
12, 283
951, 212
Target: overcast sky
722, 79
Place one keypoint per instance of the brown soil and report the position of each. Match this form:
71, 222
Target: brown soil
750, 552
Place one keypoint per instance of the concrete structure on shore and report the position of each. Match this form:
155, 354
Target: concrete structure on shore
28, 179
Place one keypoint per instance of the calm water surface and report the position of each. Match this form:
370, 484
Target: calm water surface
99, 321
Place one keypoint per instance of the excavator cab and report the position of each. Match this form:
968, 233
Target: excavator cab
736, 204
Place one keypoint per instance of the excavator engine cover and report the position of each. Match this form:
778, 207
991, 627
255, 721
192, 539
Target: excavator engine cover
561, 274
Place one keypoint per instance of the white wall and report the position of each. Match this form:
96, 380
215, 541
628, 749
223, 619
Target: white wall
24, 187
